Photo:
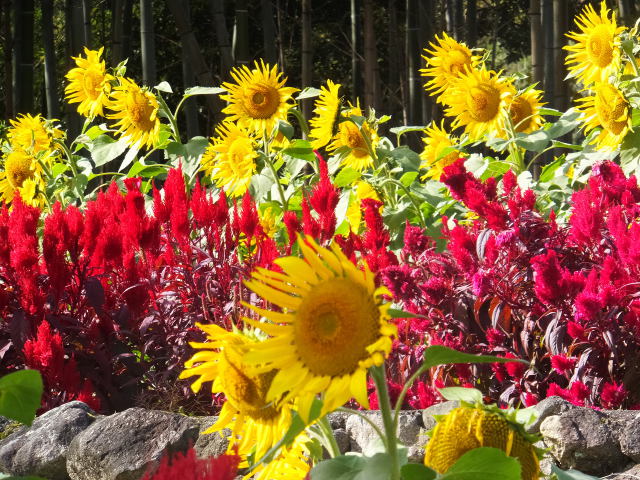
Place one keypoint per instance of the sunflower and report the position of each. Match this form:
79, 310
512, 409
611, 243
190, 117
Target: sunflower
476, 100
596, 54
354, 212
327, 111
34, 135
349, 135
21, 175
446, 61
258, 99
230, 158
524, 110
333, 328
434, 158
89, 84
269, 221
291, 464
136, 110
608, 110
256, 425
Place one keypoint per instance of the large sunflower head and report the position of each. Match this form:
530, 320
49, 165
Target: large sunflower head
434, 158
136, 110
327, 111
608, 110
255, 423
524, 110
596, 54
333, 326
477, 99
34, 134
446, 61
20, 175
230, 158
356, 140
259, 97
89, 84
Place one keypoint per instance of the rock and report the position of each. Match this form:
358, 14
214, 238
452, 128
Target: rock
342, 439
547, 407
438, 409
338, 419
363, 438
630, 438
581, 438
632, 474
123, 446
211, 444
42, 449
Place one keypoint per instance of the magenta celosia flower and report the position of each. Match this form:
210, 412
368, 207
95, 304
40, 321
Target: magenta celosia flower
563, 364
612, 395
187, 466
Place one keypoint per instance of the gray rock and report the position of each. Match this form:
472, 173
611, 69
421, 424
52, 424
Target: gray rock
338, 419
42, 449
363, 438
547, 407
211, 444
342, 439
632, 473
630, 438
123, 446
438, 409
581, 438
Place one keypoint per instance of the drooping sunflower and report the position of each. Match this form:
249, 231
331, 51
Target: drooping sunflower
333, 328
259, 97
89, 84
352, 137
326, 111
291, 464
136, 110
34, 135
596, 54
524, 110
354, 211
446, 61
255, 423
434, 158
476, 101
21, 175
608, 110
230, 158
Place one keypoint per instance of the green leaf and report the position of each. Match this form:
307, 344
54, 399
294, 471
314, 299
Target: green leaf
415, 471
395, 313
408, 178
535, 141
104, 149
566, 123
203, 91
469, 395
164, 87
308, 92
58, 169
300, 149
286, 129
147, 171
571, 474
548, 171
496, 168
440, 355
406, 128
407, 158
346, 177
354, 467
484, 463
20, 394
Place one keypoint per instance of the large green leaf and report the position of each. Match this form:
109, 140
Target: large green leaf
354, 467
104, 149
20, 394
571, 474
440, 355
484, 463
203, 91
415, 471
300, 149
469, 395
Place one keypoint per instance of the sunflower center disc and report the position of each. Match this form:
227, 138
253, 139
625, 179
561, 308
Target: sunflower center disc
17, 170
483, 103
262, 101
611, 109
599, 47
334, 324
140, 110
92, 83
521, 113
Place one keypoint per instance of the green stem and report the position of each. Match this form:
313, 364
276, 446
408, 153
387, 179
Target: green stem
283, 200
184, 97
378, 374
403, 393
171, 117
301, 121
72, 165
411, 198
330, 439
629, 52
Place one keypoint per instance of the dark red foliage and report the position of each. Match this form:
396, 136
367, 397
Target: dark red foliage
187, 466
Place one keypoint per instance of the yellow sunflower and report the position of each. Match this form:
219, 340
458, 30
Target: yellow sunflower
524, 110
291, 464
327, 111
230, 158
446, 61
349, 135
608, 110
256, 424
258, 99
436, 140
269, 221
34, 135
136, 110
89, 84
476, 101
333, 328
354, 212
21, 174
596, 54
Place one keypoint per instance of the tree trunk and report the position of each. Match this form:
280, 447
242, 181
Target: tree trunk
450, 17
222, 37
7, 60
23, 56
427, 30
241, 34
86, 22
355, 60
370, 56
560, 15
627, 10
188, 79
127, 28
395, 61
471, 21
147, 43
413, 63
269, 32
537, 60
50, 81
117, 13
547, 31
307, 55
459, 20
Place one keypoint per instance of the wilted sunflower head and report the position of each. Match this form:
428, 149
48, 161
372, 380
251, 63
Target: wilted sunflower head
89, 84
34, 134
596, 54
326, 115
358, 141
524, 110
608, 110
434, 156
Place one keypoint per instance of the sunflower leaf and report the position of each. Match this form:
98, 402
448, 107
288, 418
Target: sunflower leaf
441, 355
484, 463
469, 395
203, 91
308, 92
20, 394
415, 471
570, 474
164, 87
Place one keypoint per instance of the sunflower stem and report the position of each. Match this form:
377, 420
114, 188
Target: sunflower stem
329, 438
411, 199
171, 117
301, 120
379, 377
283, 199
403, 393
